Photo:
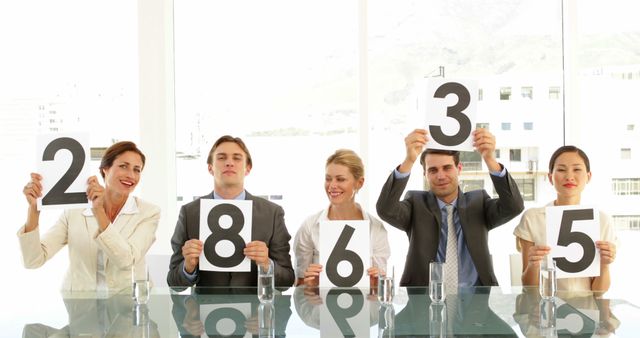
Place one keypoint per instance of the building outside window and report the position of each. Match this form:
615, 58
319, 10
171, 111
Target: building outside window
515, 155
528, 126
526, 92
471, 160
469, 185
505, 93
527, 188
625, 153
626, 186
554, 93
626, 222
480, 94
506, 126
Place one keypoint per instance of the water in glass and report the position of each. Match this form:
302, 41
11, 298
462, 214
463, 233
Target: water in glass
140, 291
265, 283
385, 289
548, 282
436, 282
437, 292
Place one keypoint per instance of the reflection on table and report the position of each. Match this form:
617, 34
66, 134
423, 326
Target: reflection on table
331, 312
95, 316
225, 312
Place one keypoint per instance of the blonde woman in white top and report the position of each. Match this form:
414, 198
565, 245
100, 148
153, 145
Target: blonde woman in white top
569, 172
344, 176
104, 241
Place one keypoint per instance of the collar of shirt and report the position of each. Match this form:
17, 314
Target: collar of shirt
242, 196
442, 204
324, 215
129, 207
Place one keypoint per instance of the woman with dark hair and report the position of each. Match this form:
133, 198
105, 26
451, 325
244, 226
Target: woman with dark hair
569, 172
106, 240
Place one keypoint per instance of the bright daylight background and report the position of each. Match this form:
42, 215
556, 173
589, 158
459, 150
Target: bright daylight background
300, 79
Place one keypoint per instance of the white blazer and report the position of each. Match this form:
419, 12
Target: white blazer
123, 242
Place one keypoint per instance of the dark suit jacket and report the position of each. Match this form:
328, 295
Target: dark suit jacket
419, 216
267, 226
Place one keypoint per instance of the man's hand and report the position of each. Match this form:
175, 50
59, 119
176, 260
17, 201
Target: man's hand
485, 144
191, 251
259, 252
414, 143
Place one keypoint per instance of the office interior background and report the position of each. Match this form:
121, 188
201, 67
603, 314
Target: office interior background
299, 79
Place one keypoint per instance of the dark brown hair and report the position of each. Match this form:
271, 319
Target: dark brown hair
236, 140
454, 153
568, 149
116, 150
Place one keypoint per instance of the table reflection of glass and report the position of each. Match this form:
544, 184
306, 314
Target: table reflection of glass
321, 312
569, 314
230, 312
91, 316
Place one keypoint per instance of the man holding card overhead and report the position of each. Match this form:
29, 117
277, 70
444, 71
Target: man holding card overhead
433, 218
208, 244
569, 172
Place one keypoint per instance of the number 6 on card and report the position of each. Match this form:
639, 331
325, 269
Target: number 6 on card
63, 162
344, 253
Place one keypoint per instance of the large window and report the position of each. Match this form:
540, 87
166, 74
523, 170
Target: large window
65, 66
275, 74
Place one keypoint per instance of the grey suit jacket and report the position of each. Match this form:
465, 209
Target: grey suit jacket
267, 226
419, 216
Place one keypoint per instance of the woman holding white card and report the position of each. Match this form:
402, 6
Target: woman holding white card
344, 176
569, 172
106, 240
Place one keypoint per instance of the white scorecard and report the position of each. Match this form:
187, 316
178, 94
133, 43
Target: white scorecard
63, 163
344, 253
449, 107
571, 233
225, 228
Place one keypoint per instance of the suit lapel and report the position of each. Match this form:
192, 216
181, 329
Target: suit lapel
432, 205
462, 212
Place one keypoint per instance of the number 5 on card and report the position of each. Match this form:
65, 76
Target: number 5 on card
63, 162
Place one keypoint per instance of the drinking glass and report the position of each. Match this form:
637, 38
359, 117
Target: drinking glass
140, 282
548, 281
386, 284
436, 282
265, 282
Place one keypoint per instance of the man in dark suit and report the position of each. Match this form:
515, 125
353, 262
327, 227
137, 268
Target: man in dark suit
229, 162
425, 215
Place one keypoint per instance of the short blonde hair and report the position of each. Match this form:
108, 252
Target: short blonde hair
349, 159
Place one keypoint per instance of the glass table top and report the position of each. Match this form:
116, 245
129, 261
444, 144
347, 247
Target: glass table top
323, 312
